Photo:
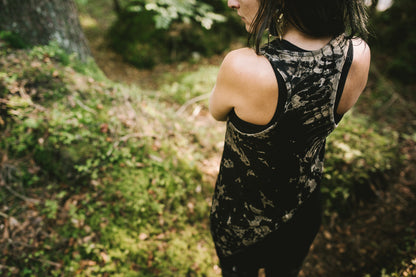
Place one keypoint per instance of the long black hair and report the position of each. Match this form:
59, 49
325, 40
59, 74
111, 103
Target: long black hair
317, 18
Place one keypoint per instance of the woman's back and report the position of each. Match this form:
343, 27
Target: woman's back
280, 102
279, 162
246, 81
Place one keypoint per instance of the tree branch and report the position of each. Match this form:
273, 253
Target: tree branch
24, 198
192, 101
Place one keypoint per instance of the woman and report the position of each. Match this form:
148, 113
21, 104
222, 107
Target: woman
280, 102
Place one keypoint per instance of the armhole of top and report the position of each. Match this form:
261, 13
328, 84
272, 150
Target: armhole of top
343, 78
252, 128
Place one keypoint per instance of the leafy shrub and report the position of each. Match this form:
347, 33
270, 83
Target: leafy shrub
168, 11
181, 88
358, 154
12, 40
151, 32
394, 40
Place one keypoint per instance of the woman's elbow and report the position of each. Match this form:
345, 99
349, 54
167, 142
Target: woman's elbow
219, 116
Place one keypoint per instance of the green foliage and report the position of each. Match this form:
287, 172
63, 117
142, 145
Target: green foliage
187, 86
53, 51
408, 268
81, 2
12, 40
358, 154
388, 102
108, 177
185, 11
111, 196
151, 32
395, 40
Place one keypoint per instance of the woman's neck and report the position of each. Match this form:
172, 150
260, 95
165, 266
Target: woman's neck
303, 40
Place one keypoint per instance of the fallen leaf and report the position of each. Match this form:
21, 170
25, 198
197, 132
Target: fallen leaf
143, 236
104, 128
105, 257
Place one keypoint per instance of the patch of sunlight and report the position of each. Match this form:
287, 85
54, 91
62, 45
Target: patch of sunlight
382, 5
349, 153
87, 21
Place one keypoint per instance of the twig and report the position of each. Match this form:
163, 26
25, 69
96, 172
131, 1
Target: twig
26, 199
15, 243
85, 107
387, 105
39, 107
4, 215
192, 101
123, 139
129, 136
394, 95
57, 265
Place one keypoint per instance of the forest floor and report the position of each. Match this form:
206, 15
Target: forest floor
377, 234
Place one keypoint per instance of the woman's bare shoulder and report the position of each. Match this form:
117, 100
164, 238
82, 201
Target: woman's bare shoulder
243, 78
362, 52
244, 68
241, 54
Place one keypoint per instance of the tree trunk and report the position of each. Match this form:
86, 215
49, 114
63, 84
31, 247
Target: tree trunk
373, 7
117, 7
38, 22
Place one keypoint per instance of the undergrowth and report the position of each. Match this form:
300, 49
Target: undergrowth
93, 178
99, 178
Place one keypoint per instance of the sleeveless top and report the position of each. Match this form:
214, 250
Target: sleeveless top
267, 172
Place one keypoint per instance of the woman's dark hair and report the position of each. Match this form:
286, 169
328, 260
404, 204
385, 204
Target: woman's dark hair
317, 18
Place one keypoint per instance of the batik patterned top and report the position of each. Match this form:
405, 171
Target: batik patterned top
267, 173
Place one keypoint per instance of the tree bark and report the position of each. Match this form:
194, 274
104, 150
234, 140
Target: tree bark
39, 22
117, 7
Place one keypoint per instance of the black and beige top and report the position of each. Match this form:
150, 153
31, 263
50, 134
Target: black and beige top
267, 172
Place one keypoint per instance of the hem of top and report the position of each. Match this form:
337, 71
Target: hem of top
314, 195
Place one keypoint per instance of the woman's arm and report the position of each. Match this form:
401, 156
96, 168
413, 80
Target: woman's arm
357, 76
245, 82
225, 91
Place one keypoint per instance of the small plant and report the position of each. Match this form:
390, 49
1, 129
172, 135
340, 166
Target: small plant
358, 154
394, 39
12, 40
150, 32
168, 11
187, 86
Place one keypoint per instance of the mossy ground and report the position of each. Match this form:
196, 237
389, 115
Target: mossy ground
114, 178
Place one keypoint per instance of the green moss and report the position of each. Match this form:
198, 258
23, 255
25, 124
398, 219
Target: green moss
116, 170
359, 153
13, 40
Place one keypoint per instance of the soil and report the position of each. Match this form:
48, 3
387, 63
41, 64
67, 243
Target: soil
376, 235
